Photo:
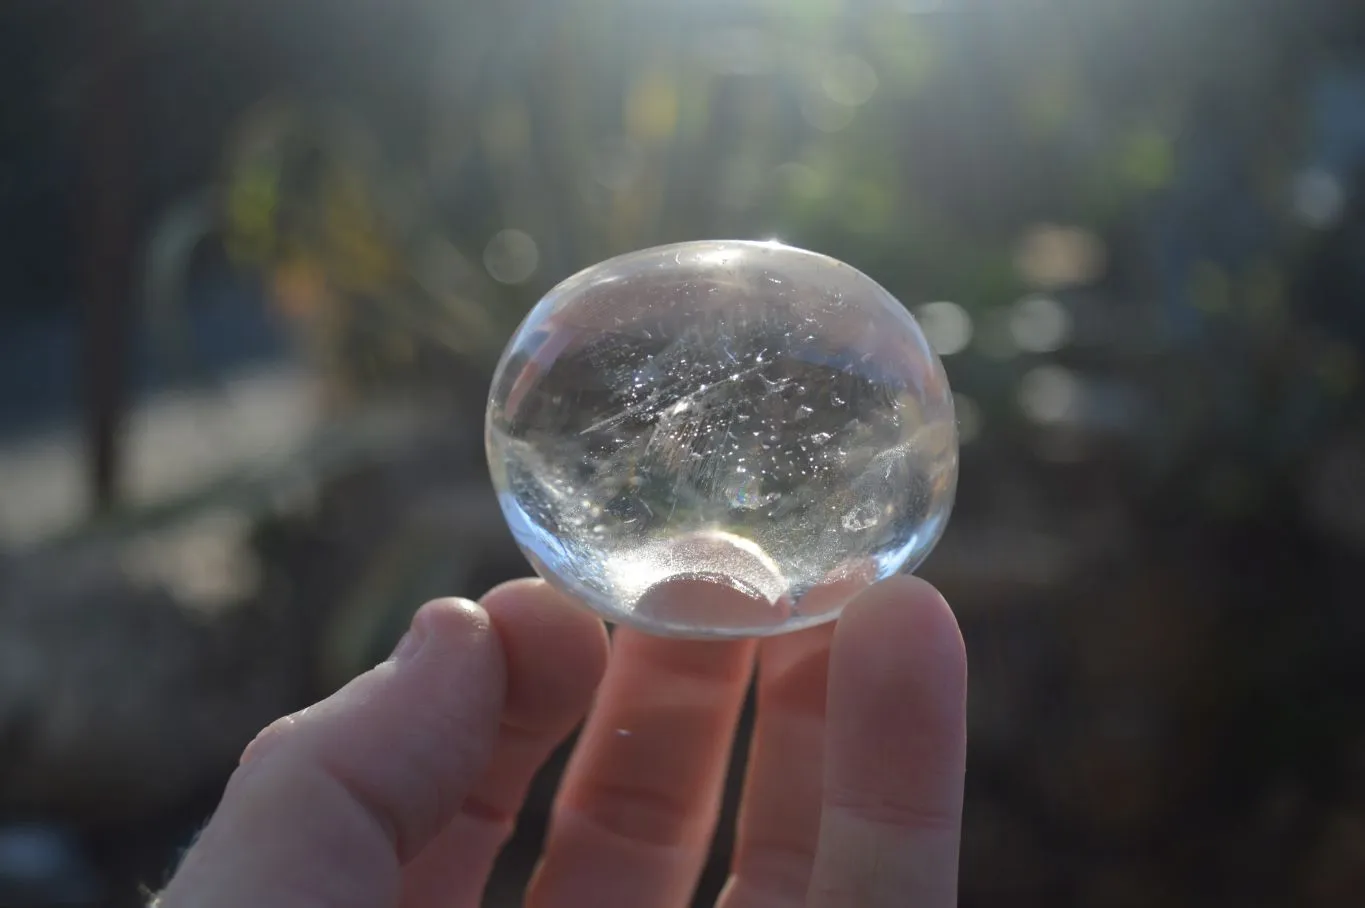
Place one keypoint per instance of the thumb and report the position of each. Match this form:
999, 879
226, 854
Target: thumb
329, 803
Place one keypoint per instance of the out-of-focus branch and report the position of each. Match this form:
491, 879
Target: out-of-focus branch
107, 220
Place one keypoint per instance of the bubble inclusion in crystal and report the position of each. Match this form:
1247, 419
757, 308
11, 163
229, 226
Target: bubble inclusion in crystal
721, 438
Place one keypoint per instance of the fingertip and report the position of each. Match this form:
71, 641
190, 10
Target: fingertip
901, 592
898, 685
556, 652
533, 599
450, 628
904, 620
521, 587
450, 624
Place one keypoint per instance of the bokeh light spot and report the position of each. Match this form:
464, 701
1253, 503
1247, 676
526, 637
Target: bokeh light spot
1040, 324
1051, 394
1317, 198
849, 80
511, 256
947, 326
1051, 257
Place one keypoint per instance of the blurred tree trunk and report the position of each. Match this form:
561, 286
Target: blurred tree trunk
107, 221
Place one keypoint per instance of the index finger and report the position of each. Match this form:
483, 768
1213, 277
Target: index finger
895, 755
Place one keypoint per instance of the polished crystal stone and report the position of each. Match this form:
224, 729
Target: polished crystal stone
721, 439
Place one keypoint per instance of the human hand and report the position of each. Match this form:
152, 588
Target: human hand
400, 789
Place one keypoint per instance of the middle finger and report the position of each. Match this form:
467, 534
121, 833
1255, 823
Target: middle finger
637, 808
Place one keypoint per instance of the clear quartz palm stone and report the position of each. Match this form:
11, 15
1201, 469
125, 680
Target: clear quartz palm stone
721, 439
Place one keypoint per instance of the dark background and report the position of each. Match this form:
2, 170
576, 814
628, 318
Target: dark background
257, 259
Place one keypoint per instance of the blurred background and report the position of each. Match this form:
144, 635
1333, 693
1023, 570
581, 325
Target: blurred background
257, 260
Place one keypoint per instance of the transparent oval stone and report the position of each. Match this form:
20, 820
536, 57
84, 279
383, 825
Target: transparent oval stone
721, 439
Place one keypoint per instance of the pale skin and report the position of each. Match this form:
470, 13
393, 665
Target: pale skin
399, 790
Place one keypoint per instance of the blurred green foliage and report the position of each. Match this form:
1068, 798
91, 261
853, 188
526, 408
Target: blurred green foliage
1160, 140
